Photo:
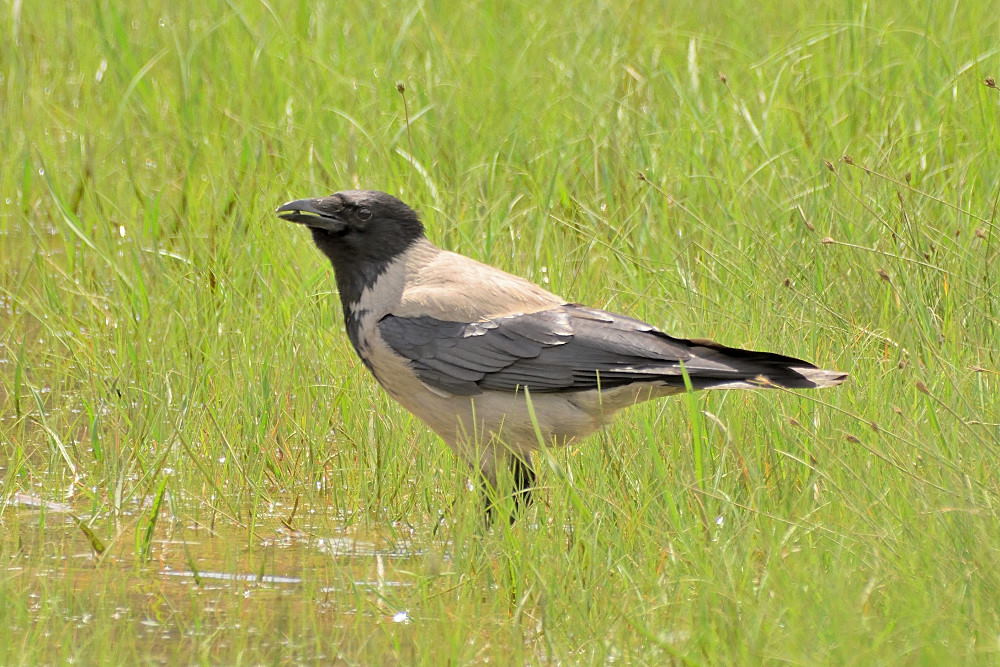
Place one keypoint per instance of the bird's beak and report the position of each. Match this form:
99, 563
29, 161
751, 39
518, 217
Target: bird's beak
310, 214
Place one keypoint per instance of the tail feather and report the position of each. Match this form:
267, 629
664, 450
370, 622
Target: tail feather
798, 378
715, 366
817, 377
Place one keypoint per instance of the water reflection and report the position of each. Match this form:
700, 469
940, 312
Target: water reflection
229, 576
40, 532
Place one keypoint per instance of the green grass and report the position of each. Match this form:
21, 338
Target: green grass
173, 367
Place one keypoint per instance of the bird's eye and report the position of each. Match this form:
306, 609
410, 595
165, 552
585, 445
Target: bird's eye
364, 213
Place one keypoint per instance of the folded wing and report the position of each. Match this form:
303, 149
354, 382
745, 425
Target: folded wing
574, 348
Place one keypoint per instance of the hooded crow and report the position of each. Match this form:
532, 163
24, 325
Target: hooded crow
493, 363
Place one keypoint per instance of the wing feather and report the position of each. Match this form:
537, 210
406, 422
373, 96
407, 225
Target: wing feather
572, 348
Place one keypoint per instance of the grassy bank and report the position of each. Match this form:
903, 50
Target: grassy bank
195, 468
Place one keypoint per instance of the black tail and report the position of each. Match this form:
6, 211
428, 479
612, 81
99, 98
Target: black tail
715, 366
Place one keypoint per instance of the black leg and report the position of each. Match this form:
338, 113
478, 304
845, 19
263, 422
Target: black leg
523, 476
524, 484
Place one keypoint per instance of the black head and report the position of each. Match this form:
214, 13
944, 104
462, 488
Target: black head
366, 222
361, 231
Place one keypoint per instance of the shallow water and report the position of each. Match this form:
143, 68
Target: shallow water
200, 582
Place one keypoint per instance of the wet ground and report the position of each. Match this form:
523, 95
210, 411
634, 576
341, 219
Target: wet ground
210, 585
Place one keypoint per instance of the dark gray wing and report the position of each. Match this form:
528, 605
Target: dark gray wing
570, 348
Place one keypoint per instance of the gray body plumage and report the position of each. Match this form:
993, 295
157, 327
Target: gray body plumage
484, 357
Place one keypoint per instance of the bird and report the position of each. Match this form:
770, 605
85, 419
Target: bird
494, 364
